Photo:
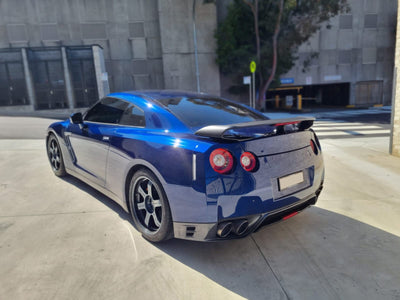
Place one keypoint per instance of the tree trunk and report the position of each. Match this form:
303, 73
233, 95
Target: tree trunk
265, 85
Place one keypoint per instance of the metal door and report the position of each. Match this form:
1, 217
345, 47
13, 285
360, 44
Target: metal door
83, 76
12, 84
48, 78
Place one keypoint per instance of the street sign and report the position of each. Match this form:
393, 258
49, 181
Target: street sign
287, 80
246, 79
253, 66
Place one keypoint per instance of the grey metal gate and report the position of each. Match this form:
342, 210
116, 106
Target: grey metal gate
83, 75
12, 79
48, 78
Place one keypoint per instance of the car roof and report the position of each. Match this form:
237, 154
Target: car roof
161, 94
156, 97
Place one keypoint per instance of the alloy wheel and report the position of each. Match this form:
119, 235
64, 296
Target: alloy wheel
54, 155
147, 204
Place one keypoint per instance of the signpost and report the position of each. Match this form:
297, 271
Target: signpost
247, 81
253, 67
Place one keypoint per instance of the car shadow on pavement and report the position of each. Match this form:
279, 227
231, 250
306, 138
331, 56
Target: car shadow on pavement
99, 196
318, 254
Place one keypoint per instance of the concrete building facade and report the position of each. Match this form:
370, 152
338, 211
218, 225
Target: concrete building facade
149, 44
146, 44
355, 54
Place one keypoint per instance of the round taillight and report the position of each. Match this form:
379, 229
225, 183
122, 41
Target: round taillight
221, 161
314, 147
248, 161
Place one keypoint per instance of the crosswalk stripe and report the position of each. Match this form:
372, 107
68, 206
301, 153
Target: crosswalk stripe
353, 133
320, 134
329, 124
384, 131
335, 129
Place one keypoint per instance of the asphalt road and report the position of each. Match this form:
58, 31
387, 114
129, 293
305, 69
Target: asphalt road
61, 239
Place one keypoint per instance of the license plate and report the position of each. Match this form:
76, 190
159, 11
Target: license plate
290, 180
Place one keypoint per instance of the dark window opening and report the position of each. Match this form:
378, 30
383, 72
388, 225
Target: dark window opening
323, 95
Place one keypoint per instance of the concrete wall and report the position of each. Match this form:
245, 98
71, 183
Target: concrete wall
148, 44
358, 47
128, 31
176, 25
395, 137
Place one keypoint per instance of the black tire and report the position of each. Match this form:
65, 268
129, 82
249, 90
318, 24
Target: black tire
149, 207
55, 156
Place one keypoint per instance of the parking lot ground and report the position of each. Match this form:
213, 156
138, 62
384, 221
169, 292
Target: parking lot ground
61, 239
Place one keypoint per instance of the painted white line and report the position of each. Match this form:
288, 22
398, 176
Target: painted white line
385, 131
320, 134
365, 133
353, 128
338, 124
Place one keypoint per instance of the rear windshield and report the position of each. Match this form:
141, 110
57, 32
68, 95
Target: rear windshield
200, 112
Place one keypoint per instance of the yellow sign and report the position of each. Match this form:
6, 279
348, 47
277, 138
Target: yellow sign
252, 66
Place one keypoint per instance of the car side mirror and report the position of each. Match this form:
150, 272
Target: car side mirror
76, 118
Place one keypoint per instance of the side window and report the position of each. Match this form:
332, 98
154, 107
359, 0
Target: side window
133, 116
108, 110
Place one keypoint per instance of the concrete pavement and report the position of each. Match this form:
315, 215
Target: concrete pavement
61, 239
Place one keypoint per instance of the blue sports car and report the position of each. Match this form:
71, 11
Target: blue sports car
190, 166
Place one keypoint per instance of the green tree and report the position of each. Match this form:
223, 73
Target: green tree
269, 32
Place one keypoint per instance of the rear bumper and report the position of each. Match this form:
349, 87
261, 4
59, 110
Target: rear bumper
209, 231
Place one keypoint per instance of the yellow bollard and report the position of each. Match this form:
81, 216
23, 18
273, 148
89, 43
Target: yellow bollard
277, 101
299, 101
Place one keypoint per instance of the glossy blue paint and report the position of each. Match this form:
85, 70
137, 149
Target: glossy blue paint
103, 155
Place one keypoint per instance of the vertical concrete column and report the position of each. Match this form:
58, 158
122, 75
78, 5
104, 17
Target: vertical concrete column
395, 132
28, 80
103, 87
67, 78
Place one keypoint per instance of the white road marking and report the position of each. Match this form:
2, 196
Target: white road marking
353, 128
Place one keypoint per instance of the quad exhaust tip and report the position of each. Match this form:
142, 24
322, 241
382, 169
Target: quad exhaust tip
224, 229
240, 227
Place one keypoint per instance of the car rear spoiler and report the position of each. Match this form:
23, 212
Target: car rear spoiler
250, 130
